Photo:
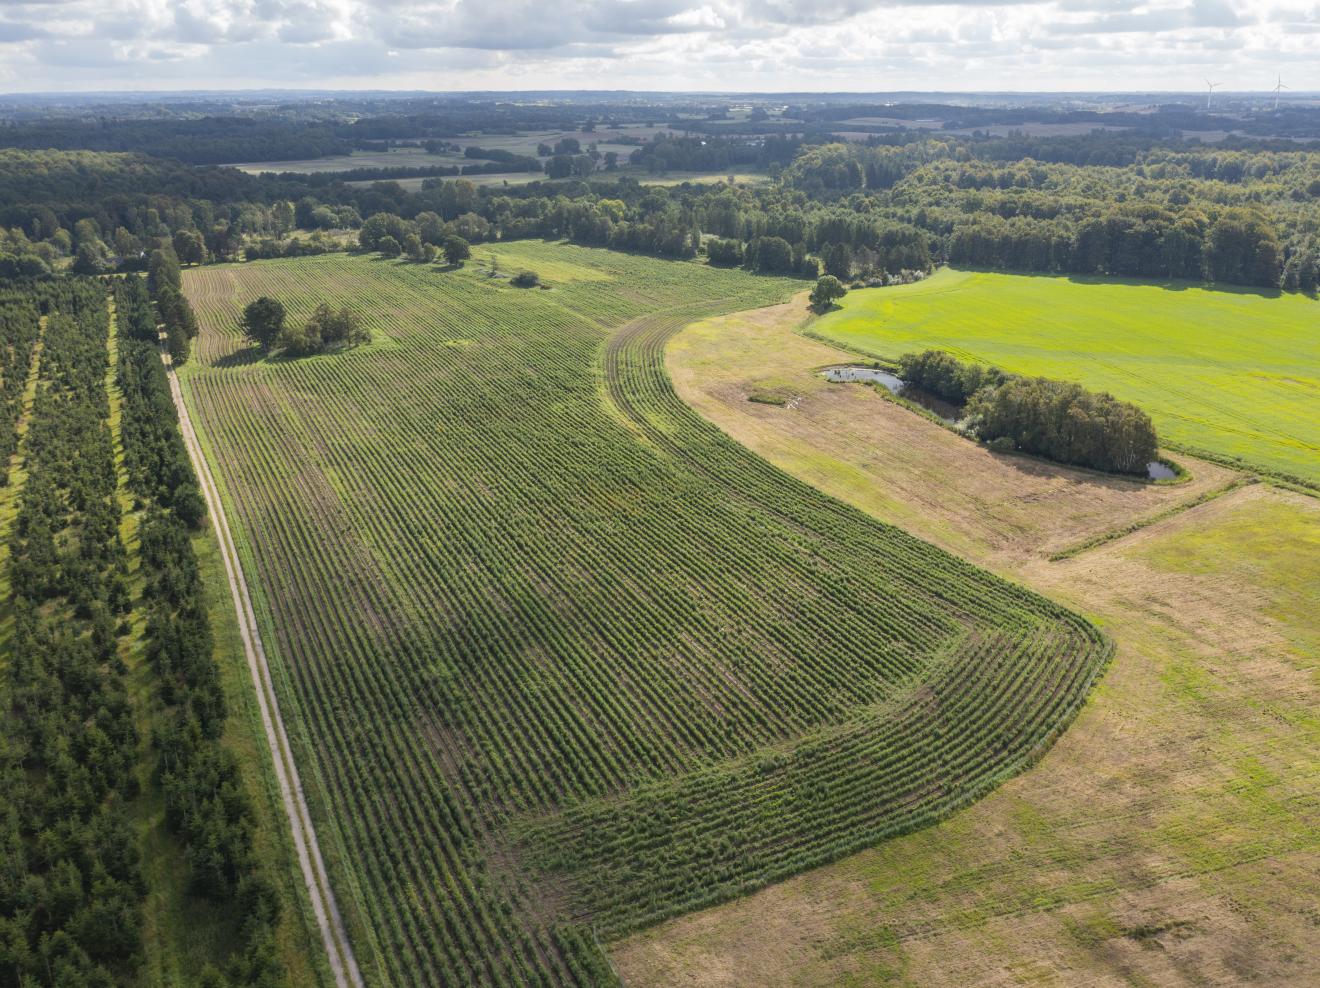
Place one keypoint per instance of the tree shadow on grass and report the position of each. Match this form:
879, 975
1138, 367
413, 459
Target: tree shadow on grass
1176, 285
239, 358
1168, 284
1032, 465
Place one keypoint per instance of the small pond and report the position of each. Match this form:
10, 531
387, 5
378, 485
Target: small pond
945, 411
874, 375
1156, 470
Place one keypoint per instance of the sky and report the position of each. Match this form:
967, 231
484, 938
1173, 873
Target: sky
728, 45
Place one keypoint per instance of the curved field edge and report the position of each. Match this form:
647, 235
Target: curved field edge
1231, 375
1170, 835
696, 532
594, 848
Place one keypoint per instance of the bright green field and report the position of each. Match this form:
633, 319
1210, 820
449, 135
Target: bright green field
1230, 371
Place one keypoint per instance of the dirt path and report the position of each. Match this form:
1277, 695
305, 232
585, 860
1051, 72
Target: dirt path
328, 919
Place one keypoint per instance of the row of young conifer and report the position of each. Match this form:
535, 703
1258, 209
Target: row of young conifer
19, 329
71, 883
177, 320
206, 804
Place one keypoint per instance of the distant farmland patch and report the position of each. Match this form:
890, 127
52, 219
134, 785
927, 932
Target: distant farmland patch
405, 157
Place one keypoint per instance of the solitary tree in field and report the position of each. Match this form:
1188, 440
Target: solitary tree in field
457, 250
827, 289
263, 321
560, 166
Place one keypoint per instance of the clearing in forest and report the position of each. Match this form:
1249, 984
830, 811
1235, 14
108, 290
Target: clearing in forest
1221, 369
558, 657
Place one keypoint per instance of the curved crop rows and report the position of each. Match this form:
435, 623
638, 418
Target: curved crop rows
559, 652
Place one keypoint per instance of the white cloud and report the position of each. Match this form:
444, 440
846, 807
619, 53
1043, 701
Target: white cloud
763, 45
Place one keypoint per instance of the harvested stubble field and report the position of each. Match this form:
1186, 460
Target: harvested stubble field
1222, 370
560, 658
1172, 836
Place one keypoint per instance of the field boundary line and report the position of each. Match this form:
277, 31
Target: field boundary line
343, 963
1114, 534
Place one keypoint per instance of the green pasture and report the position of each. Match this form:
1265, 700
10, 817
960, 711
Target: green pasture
1228, 371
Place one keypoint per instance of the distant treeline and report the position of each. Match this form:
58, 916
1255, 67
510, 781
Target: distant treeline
1231, 216
1234, 216
298, 132
1058, 420
1168, 120
204, 141
671, 153
512, 164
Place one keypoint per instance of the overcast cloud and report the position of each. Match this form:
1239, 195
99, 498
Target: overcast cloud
656, 44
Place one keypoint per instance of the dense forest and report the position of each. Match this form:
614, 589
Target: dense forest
72, 756
1111, 204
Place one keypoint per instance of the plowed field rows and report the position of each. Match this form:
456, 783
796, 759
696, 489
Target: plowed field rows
559, 654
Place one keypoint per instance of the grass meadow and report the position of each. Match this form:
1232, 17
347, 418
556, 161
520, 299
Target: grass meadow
1230, 372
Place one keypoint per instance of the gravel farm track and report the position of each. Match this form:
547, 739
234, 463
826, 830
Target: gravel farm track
343, 964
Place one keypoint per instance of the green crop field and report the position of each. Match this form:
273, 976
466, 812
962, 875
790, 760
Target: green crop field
559, 658
1227, 371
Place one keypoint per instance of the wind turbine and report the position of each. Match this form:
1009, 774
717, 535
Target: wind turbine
1213, 86
1277, 86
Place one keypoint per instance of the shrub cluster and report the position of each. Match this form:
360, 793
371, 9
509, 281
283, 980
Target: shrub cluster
325, 330
945, 376
269, 248
1065, 422
1059, 420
